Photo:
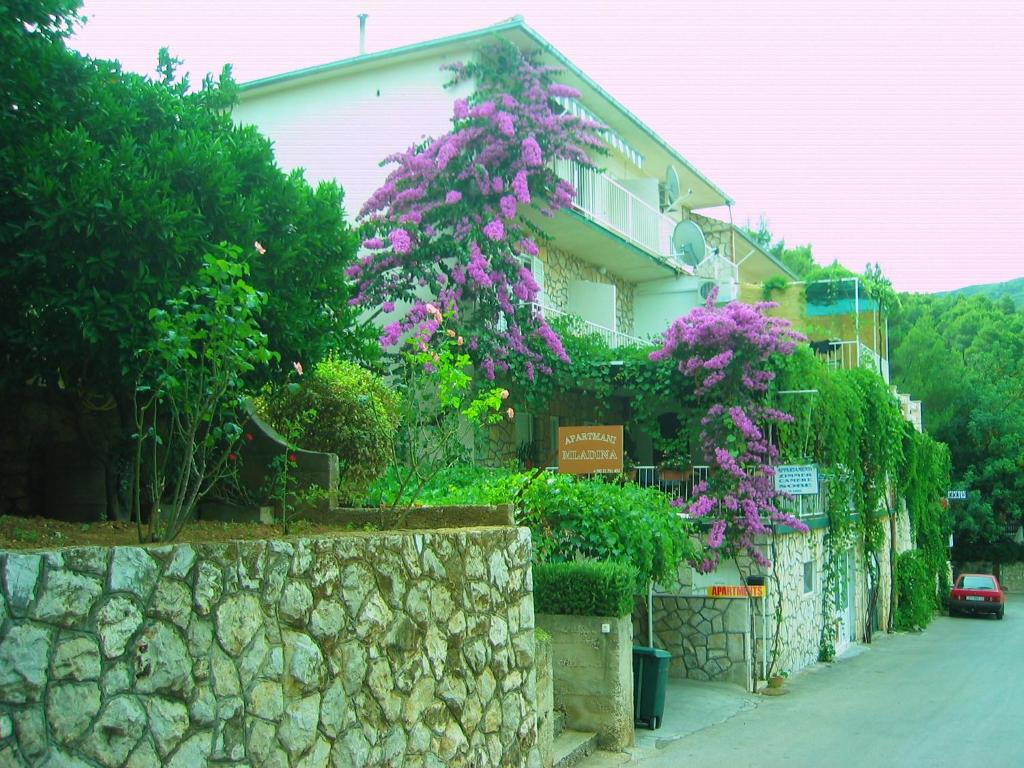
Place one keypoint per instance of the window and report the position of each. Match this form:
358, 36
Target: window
978, 582
808, 577
536, 268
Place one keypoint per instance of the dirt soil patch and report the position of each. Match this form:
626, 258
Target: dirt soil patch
44, 533
41, 533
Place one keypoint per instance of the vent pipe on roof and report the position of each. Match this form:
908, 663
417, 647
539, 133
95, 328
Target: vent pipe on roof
362, 33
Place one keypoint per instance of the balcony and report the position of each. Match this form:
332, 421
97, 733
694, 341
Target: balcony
613, 338
608, 203
844, 355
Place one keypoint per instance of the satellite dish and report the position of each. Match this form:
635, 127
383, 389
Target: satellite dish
670, 191
688, 243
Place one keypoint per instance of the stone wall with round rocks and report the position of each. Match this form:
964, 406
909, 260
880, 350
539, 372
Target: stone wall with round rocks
370, 649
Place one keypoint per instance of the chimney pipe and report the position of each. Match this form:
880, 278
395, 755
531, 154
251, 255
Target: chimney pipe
362, 33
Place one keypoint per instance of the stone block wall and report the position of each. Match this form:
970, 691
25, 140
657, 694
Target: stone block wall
800, 630
593, 675
1011, 575
709, 638
412, 649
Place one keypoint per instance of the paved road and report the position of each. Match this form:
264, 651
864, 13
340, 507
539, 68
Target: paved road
951, 696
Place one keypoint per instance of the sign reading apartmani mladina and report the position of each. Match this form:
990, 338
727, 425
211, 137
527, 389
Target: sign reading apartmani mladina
584, 450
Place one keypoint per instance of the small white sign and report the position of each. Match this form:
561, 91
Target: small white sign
957, 495
797, 479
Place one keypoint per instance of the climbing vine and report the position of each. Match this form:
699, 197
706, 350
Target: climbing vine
849, 423
925, 480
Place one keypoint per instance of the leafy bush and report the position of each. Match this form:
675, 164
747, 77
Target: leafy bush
595, 519
584, 588
339, 408
461, 484
571, 517
915, 591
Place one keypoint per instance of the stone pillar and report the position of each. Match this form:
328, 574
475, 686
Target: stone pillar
593, 674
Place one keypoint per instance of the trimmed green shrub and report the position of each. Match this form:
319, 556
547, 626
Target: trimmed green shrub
915, 591
584, 588
340, 408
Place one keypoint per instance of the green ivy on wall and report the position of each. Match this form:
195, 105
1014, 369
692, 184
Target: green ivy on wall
846, 421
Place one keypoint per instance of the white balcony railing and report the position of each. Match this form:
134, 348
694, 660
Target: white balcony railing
854, 354
613, 338
675, 486
610, 204
718, 268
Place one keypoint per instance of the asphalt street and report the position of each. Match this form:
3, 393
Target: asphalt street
950, 696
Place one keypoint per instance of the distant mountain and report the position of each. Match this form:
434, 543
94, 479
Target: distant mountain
995, 291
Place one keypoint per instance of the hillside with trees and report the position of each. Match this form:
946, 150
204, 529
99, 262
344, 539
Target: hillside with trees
1012, 289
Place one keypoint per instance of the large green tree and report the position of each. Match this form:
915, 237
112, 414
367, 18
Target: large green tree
113, 187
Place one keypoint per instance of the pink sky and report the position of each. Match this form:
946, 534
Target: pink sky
877, 131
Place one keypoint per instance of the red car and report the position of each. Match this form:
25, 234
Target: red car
977, 593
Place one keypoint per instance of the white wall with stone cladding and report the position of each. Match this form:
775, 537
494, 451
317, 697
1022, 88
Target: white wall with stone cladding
800, 629
387, 649
561, 267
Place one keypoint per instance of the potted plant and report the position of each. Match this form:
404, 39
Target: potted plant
777, 680
674, 468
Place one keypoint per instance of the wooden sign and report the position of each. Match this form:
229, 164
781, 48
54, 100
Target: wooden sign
584, 450
723, 590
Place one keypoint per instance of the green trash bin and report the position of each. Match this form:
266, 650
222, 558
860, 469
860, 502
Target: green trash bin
650, 679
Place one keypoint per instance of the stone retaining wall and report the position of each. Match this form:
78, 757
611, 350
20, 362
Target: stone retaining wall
412, 649
1011, 575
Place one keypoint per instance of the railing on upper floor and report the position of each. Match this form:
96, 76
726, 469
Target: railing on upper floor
807, 505
678, 485
844, 355
613, 206
718, 268
613, 338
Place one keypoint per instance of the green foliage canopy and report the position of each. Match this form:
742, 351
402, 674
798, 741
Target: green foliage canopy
113, 186
584, 588
964, 359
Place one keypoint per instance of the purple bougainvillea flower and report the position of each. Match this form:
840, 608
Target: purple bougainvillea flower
401, 242
495, 230
521, 187
531, 153
508, 206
